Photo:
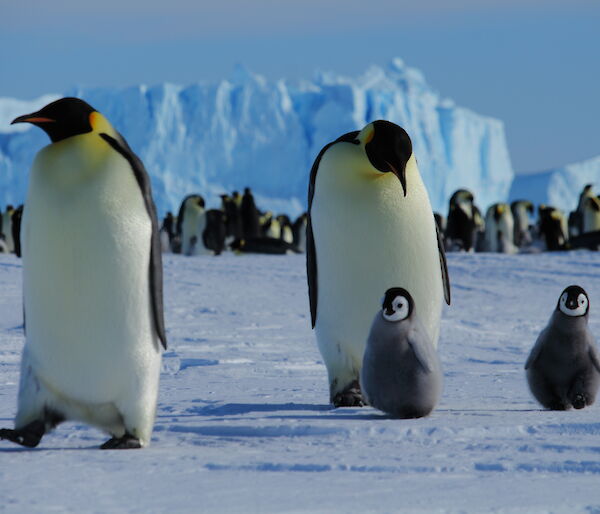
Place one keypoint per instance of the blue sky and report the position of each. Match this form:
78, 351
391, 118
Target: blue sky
532, 63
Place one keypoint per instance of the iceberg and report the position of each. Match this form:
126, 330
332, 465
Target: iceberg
216, 137
559, 187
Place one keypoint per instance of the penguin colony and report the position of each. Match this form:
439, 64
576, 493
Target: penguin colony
94, 356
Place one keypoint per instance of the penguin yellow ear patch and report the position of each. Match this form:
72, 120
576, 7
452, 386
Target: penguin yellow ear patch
100, 124
367, 134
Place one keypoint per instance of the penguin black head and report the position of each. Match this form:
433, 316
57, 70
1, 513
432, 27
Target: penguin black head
398, 304
61, 119
573, 302
388, 148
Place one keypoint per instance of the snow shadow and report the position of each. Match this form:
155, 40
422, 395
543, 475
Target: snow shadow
236, 409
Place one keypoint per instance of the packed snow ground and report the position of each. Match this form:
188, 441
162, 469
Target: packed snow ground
244, 423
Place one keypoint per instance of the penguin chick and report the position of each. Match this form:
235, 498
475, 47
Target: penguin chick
563, 369
401, 372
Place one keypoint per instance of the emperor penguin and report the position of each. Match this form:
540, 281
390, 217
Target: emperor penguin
563, 369
522, 210
286, 229
370, 224
552, 227
401, 373
460, 227
299, 231
250, 216
191, 222
591, 214
92, 283
6, 228
499, 229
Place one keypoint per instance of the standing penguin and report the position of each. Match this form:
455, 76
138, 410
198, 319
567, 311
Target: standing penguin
6, 228
563, 369
521, 211
191, 222
460, 227
401, 372
299, 231
591, 214
499, 229
16, 229
250, 215
92, 283
370, 224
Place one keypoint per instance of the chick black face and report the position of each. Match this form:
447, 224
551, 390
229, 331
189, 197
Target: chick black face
573, 302
389, 149
61, 119
398, 304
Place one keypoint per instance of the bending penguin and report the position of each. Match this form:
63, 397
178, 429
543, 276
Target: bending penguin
370, 224
92, 284
401, 372
563, 369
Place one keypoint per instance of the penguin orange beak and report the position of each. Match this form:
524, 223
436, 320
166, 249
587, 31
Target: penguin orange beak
31, 118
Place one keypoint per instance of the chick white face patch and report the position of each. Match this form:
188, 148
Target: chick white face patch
579, 310
400, 308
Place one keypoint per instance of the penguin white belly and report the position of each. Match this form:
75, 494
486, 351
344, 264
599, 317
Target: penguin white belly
367, 240
86, 253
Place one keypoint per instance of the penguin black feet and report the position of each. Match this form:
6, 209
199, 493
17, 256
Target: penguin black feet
127, 442
29, 435
349, 397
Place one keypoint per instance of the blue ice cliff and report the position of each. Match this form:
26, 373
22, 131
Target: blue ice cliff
216, 137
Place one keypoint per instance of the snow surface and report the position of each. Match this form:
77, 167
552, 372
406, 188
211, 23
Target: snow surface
243, 422
211, 138
559, 187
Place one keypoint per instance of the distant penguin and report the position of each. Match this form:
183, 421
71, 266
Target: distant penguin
591, 214
299, 231
270, 226
370, 224
563, 369
167, 231
233, 219
92, 283
499, 229
285, 229
552, 228
16, 229
214, 234
401, 372
7, 228
3, 245
522, 210
250, 216
460, 227
191, 222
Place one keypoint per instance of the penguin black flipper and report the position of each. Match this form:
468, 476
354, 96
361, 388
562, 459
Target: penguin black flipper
156, 278
443, 265
311, 254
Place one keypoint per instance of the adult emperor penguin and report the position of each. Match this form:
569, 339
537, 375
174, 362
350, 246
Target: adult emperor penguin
401, 372
370, 224
460, 228
499, 229
522, 210
563, 369
191, 222
591, 214
92, 283
6, 227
